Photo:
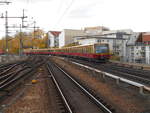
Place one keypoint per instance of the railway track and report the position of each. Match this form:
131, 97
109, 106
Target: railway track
77, 97
14, 74
137, 75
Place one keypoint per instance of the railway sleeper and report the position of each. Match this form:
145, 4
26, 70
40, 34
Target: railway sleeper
91, 91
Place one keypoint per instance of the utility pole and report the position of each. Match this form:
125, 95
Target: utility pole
33, 34
6, 32
20, 40
6, 26
23, 17
34, 28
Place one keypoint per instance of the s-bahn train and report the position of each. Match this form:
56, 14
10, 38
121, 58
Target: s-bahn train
92, 52
1, 52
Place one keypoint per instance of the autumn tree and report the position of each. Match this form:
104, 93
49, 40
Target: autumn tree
35, 39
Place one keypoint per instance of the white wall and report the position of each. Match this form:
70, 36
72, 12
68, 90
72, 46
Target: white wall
51, 40
62, 39
88, 41
137, 52
67, 35
147, 55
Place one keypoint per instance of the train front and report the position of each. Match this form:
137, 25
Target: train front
102, 52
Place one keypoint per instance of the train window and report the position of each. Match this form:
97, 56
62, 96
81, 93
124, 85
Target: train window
98, 40
75, 50
78, 50
101, 49
89, 50
84, 50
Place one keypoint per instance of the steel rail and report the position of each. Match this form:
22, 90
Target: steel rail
12, 78
8, 69
11, 67
7, 75
87, 92
5, 65
138, 73
59, 89
124, 72
133, 76
10, 64
141, 86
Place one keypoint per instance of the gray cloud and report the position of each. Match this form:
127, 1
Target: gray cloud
80, 13
33, 1
85, 10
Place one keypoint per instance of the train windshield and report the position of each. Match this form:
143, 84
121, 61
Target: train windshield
101, 49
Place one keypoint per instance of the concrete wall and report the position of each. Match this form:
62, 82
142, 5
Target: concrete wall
88, 41
147, 54
51, 40
11, 58
62, 39
66, 36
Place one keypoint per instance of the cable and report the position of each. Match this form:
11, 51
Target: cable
28, 1
60, 6
61, 17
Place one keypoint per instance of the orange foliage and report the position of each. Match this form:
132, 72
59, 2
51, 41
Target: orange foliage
28, 41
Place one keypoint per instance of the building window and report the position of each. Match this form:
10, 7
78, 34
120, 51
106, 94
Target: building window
143, 54
132, 54
132, 48
98, 40
143, 48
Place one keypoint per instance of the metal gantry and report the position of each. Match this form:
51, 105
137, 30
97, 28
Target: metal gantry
6, 17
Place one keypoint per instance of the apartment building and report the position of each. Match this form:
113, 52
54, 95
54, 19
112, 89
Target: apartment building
116, 39
53, 38
139, 50
66, 36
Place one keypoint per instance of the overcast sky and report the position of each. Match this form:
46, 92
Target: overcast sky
77, 14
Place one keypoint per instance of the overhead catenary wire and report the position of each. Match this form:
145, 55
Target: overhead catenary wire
68, 7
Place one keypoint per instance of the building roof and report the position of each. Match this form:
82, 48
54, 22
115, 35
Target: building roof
102, 28
144, 37
146, 33
55, 33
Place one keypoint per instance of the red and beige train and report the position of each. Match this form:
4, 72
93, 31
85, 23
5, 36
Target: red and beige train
1, 52
93, 52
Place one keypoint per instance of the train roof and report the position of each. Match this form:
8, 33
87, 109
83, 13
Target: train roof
71, 46
85, 45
